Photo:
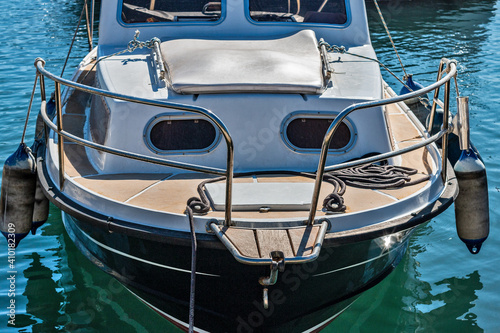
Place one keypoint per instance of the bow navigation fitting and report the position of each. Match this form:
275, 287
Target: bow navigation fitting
278, 264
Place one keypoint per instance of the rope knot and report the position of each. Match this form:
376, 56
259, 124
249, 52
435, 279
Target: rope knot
137, 44
334, 203
197, 205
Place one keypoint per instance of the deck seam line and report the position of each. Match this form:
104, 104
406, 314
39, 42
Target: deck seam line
147, 188
387, 195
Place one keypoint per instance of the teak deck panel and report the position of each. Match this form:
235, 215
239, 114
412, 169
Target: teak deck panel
244, 240
293, 242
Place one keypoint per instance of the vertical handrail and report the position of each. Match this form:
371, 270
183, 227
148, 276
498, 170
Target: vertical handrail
322, 161
444, 144
43, 97
229, 180
434, 100
60, 139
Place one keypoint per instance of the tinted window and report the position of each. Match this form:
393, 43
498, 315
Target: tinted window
185, 134
308, 133
312, 11
150, 11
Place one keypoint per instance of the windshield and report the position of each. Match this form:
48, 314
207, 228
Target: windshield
311, 11
150, 11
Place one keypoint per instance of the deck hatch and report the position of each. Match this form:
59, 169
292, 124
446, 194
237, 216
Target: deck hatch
254, 196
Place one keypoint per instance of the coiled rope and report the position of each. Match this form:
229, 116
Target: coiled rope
378, 177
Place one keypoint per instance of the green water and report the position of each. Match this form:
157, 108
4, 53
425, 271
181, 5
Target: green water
438, 287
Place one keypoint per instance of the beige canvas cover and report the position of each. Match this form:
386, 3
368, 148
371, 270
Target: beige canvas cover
290, 64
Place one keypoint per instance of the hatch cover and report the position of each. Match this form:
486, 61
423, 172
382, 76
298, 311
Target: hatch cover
254, 196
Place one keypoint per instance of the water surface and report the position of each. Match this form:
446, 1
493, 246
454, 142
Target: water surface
438, 287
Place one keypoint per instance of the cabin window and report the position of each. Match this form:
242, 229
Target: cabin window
311, 11
306, 133
151, 11
171, 134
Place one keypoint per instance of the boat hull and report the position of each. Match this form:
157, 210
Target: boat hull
228, 295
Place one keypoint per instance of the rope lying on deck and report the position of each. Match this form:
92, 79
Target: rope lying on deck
378, 177
201, 205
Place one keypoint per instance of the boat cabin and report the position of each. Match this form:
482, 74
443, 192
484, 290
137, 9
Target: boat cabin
258, 65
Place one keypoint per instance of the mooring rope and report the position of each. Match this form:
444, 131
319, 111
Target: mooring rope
201, 205
334, 202
194, 248
74, 37
390, 37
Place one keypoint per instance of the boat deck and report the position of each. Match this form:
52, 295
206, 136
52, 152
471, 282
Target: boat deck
170, 192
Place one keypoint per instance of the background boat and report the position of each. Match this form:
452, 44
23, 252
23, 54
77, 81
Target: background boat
438, 286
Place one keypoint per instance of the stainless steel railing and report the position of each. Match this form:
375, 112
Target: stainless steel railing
40, 63
450, 69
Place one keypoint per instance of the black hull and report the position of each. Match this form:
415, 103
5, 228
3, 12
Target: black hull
228, 295
154, 263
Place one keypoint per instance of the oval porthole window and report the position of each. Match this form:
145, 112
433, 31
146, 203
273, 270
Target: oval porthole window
170, 135
307, 133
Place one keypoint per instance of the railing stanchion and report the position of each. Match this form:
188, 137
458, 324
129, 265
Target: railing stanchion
43, 95
435, 98
322, 161
229, 183
60, 139
444, 145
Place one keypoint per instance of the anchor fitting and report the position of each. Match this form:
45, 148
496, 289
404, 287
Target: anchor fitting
278, 264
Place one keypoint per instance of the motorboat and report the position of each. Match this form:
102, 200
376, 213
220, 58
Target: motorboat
242, 165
